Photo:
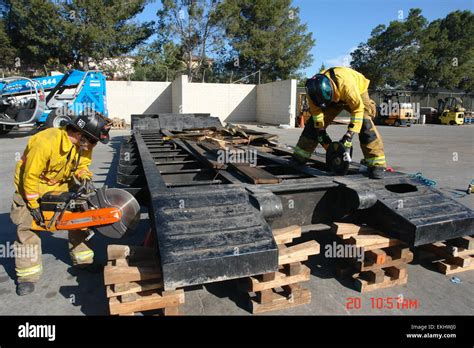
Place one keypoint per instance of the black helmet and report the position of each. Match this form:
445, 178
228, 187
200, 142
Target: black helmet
93, 125
319, 90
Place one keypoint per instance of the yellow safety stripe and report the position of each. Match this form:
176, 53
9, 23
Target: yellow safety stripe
302, 153
24, 272
347, 143
317, 118
82, 255
375, 160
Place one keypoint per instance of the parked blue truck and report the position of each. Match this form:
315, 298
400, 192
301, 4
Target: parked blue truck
50, 101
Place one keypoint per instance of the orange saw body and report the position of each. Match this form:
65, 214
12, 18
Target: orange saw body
78, 220
112, 212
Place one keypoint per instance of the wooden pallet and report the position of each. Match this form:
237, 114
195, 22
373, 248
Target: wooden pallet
452, 256
385, 259
282, 289
118, 123
133, 282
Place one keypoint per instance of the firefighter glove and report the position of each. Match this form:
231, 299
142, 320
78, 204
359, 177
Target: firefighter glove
346, 140
37, 216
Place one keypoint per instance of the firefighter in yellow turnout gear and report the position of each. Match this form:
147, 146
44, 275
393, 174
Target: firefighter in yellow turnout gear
50, 161
329, 93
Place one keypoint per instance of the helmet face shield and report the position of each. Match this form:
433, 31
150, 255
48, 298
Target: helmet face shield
319, 90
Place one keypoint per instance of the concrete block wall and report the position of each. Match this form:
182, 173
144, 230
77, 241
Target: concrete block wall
136, 97
229, 102
268, 103
276, 102
178, 94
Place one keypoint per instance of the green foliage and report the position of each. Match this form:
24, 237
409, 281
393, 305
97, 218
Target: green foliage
417, 54
447, 53
102, 28
266, 35
389, 57
158, 62
7, 52
71, 32
35, 29
196, 28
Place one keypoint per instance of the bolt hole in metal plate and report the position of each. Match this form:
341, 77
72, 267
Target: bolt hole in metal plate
401, 188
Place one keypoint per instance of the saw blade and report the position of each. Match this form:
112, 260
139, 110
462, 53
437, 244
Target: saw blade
337, 158
128, 205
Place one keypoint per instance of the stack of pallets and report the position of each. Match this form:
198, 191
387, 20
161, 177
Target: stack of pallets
118, 123
385, 259
283, 289
133, 283
452, 256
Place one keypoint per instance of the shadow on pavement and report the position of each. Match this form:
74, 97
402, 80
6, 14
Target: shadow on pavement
230, 289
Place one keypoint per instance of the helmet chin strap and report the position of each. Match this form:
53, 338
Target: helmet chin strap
82, 143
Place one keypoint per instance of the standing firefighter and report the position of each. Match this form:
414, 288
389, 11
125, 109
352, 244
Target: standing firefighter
329, 93
50, 162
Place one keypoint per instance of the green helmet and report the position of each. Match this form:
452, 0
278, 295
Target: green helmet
319, 90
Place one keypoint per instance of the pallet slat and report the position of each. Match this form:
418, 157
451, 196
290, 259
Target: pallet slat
297, 253
118, 274
287, 234
144, 303
138, 287
282, 289
281, 279
385, 258
452, 256
132, 287
280, 301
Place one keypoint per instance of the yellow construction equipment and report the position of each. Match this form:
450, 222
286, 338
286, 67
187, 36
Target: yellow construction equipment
303, 110
452, 111
396, 110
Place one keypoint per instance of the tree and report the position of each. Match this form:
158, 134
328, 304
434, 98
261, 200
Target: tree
195, 26
72, 32
447, 53
266, 35
35, 30
390, 55
8, 53
158, 62
103, 28
416, 54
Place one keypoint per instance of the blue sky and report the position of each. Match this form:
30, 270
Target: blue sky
340, 25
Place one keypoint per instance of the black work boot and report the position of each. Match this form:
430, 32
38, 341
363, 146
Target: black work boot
25, 288
376, 172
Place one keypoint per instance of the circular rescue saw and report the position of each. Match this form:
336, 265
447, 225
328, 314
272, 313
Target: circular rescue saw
112, 212
338, 158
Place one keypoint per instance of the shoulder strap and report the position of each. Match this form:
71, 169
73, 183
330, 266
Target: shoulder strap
333, 76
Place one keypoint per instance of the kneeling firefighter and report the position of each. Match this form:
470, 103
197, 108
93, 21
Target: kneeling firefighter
50, 162
329, 93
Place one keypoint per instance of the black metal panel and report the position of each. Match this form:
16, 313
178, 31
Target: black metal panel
418, 214
208, 234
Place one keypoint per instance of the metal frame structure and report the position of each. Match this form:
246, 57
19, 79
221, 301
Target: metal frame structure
213, 220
